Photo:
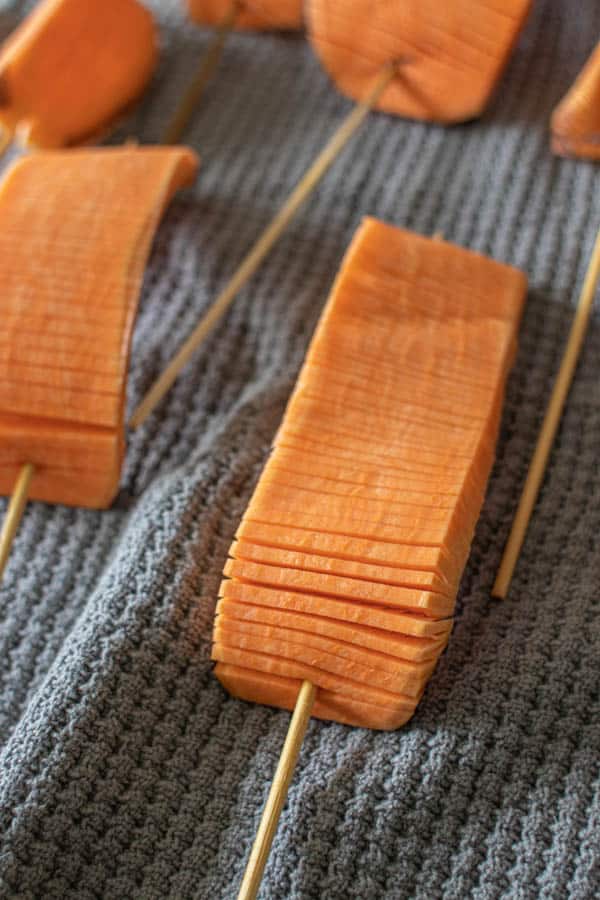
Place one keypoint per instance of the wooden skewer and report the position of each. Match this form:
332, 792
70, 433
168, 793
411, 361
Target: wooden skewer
278, 793
265, 242
14, 513
550, 426
206, 70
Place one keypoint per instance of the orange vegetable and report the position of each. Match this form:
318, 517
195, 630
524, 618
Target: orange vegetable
576, 120
402, 556
72, 68
253, 14
347, 562
70, 290
454, 52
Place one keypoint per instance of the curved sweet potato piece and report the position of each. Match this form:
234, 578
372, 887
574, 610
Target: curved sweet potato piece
575, 122
256, 15
72, 68
89, 217
454, 52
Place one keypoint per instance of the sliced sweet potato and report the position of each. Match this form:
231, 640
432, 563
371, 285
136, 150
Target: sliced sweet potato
408, 599
454, 53
403, 556
330, 655
277, 690
291, 668
349, 555
89, 217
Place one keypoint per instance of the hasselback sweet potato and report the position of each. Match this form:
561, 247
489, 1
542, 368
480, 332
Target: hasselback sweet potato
346, 565
76, 229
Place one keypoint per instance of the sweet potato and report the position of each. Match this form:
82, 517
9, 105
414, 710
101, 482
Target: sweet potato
72, 68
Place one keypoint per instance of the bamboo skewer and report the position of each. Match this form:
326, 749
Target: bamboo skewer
268, 238
550, 425
14, 513
208, 66
278, 793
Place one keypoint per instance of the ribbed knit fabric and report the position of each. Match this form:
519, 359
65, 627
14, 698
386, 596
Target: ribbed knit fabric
125, 769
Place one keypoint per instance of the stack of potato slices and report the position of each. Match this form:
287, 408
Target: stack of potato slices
347, 562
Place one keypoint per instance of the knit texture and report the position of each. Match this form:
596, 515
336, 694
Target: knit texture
125, 769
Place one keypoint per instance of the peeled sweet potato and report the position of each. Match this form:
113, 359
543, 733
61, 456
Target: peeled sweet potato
453, 53
76, 229
73, 67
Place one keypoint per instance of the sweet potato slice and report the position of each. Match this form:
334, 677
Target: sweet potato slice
575, 123
454, 53
257, 15
72, 68
89, 217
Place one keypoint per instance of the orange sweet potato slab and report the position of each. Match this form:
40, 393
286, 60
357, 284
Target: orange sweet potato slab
89, 217
575, 122
353, 543
411, 471
370, 478
286, 506
261, 15
454, 53
72, 67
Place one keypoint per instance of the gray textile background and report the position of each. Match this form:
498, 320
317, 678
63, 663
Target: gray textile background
126, 772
